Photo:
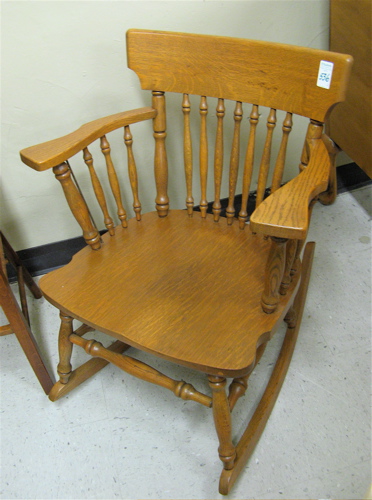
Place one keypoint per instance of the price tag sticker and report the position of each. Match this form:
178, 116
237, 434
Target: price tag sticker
325, 74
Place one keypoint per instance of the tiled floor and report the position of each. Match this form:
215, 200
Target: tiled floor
117, 437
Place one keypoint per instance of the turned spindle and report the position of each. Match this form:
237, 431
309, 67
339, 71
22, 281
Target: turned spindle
77, 205
248, 166
113, 179
265, 161
203, 155
132, 171
218, 160
273, 275
291, 250
97, 187
160, 161
313, 134
187, 153
234, 162
280, 160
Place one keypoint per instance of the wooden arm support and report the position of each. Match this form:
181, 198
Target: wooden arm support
285, 214
52, 153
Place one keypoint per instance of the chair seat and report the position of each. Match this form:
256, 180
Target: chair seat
185, 289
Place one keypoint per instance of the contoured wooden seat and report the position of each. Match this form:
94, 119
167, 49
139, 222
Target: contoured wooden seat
195, 288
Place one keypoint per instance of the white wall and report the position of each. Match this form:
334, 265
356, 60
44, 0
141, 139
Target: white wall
64, 63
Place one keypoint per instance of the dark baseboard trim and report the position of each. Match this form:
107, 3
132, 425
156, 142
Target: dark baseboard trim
351, 177
45, 258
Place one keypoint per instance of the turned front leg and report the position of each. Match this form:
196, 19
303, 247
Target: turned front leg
65, 349
222, 420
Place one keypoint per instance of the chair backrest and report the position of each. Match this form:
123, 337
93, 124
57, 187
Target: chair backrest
296, 80
267, 74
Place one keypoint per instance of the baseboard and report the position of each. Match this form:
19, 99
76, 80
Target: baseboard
351, 177
42, 259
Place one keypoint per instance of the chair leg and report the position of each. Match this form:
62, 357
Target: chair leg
64, 348
255, 427
222, 420
70, 379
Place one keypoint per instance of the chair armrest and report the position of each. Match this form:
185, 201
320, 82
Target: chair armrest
52, 153
285, 213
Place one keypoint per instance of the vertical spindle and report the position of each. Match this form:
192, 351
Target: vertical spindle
280, 161
203, 156
248, 165
97, 187
132, 171
265, 161
161, 161
218, 160
187, 153
113, 179
234, 162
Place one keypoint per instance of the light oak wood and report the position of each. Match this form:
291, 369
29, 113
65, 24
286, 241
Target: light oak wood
113, 179
50, 154
203, 155
266, 155
218, 159
97, 187
274, 274
77, 205
187, 153
248, 165
141, 370
280, 161
256, 425
84, 372
222, 420
161, 160
239, 385
198, 290
234, 162
173, 292
132, 170
207, 65
285, 214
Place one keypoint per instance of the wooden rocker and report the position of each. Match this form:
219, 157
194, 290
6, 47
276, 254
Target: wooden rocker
192, 287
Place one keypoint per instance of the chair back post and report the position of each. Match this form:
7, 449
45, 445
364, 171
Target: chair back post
160, 161
77, 205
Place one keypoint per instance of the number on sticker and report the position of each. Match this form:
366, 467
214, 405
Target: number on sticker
325, 74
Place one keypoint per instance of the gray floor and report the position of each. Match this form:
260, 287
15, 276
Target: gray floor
117, 437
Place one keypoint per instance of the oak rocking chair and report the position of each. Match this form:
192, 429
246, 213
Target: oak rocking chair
190, 286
